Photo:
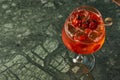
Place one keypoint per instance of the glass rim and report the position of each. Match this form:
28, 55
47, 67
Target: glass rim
87, 7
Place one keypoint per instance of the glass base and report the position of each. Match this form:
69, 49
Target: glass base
88, 60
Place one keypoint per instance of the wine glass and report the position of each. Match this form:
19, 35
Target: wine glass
84, 34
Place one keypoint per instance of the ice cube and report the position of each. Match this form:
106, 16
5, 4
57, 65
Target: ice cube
94, 36
80, 36
71, 30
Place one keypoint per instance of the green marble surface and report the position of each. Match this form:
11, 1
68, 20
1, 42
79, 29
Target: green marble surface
30, 40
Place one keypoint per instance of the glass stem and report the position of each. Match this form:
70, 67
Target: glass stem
88, 60
78, 59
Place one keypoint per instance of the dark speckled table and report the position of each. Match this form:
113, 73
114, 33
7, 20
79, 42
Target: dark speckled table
30, 40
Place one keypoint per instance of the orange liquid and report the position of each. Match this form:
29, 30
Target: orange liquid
87, 42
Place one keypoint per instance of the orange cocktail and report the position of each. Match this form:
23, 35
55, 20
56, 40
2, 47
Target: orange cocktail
84, 31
